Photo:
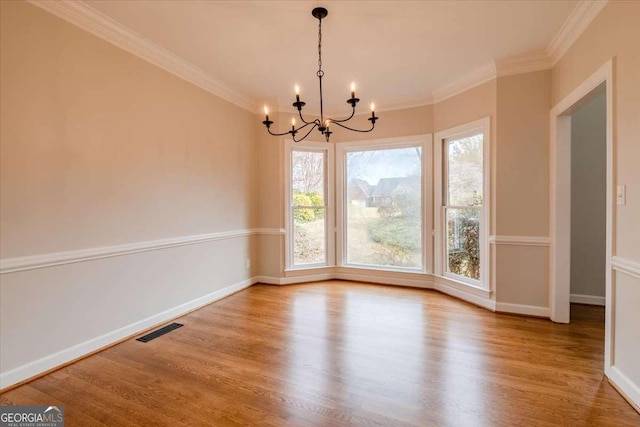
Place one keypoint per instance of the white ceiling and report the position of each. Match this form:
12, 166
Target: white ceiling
397, 52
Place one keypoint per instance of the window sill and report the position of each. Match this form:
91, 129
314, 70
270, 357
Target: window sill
383, 268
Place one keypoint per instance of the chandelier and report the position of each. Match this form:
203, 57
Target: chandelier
322, 124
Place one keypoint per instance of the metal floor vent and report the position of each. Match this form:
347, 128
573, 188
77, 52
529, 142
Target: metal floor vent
159, 332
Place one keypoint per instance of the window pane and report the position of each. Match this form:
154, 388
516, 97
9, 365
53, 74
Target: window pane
464, 170
463, 242
308, 211
384, 207
307, 178
308, 236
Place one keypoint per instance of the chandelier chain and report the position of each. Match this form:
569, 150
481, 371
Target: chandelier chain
319, 45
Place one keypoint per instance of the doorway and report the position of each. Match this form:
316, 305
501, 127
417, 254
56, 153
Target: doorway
588, 200
595, 94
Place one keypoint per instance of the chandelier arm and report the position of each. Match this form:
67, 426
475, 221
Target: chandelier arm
302, 118
278, 134
307, 134
353, 111
373, 125
303, 126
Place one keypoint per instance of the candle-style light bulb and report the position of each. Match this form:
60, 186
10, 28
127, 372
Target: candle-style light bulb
297, 89
353, 90
266, 112
373, 109
293, 124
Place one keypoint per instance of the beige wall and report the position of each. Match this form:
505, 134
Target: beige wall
522, 187
473, 104
100, 148
588, 197
522, 170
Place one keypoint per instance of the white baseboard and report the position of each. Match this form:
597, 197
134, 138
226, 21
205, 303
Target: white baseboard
269, 280
587, 299
627, 388
47, 363
478, 300
292, 280
529, 310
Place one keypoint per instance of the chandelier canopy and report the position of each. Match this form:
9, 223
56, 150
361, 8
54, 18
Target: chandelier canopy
322, 124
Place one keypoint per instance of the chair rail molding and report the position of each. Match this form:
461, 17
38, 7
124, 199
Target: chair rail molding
12, 265
520, 240
626, 266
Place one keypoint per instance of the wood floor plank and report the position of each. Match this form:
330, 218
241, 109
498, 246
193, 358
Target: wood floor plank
339, 353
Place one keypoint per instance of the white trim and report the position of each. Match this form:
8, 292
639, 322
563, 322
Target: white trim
468, 81
626, 266
528, 310
525, 63
52, 361
629, 390
270, 231
89, 19
579, 19
520, 240
425, 142
12, 265
587, 299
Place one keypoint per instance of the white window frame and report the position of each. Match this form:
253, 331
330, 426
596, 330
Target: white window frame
425, 142
478, 126
328, 150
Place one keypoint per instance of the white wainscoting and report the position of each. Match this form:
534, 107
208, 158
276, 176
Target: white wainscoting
621, 366
110, 293
60, 358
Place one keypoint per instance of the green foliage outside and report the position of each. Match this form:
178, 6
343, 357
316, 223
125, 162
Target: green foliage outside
308, 199
464, 254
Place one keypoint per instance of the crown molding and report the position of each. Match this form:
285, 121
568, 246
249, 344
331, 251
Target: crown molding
414, 103
89, 19
579, 19
525, 63
470, 80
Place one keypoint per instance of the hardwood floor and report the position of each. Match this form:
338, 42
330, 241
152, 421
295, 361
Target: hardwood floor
336, 353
